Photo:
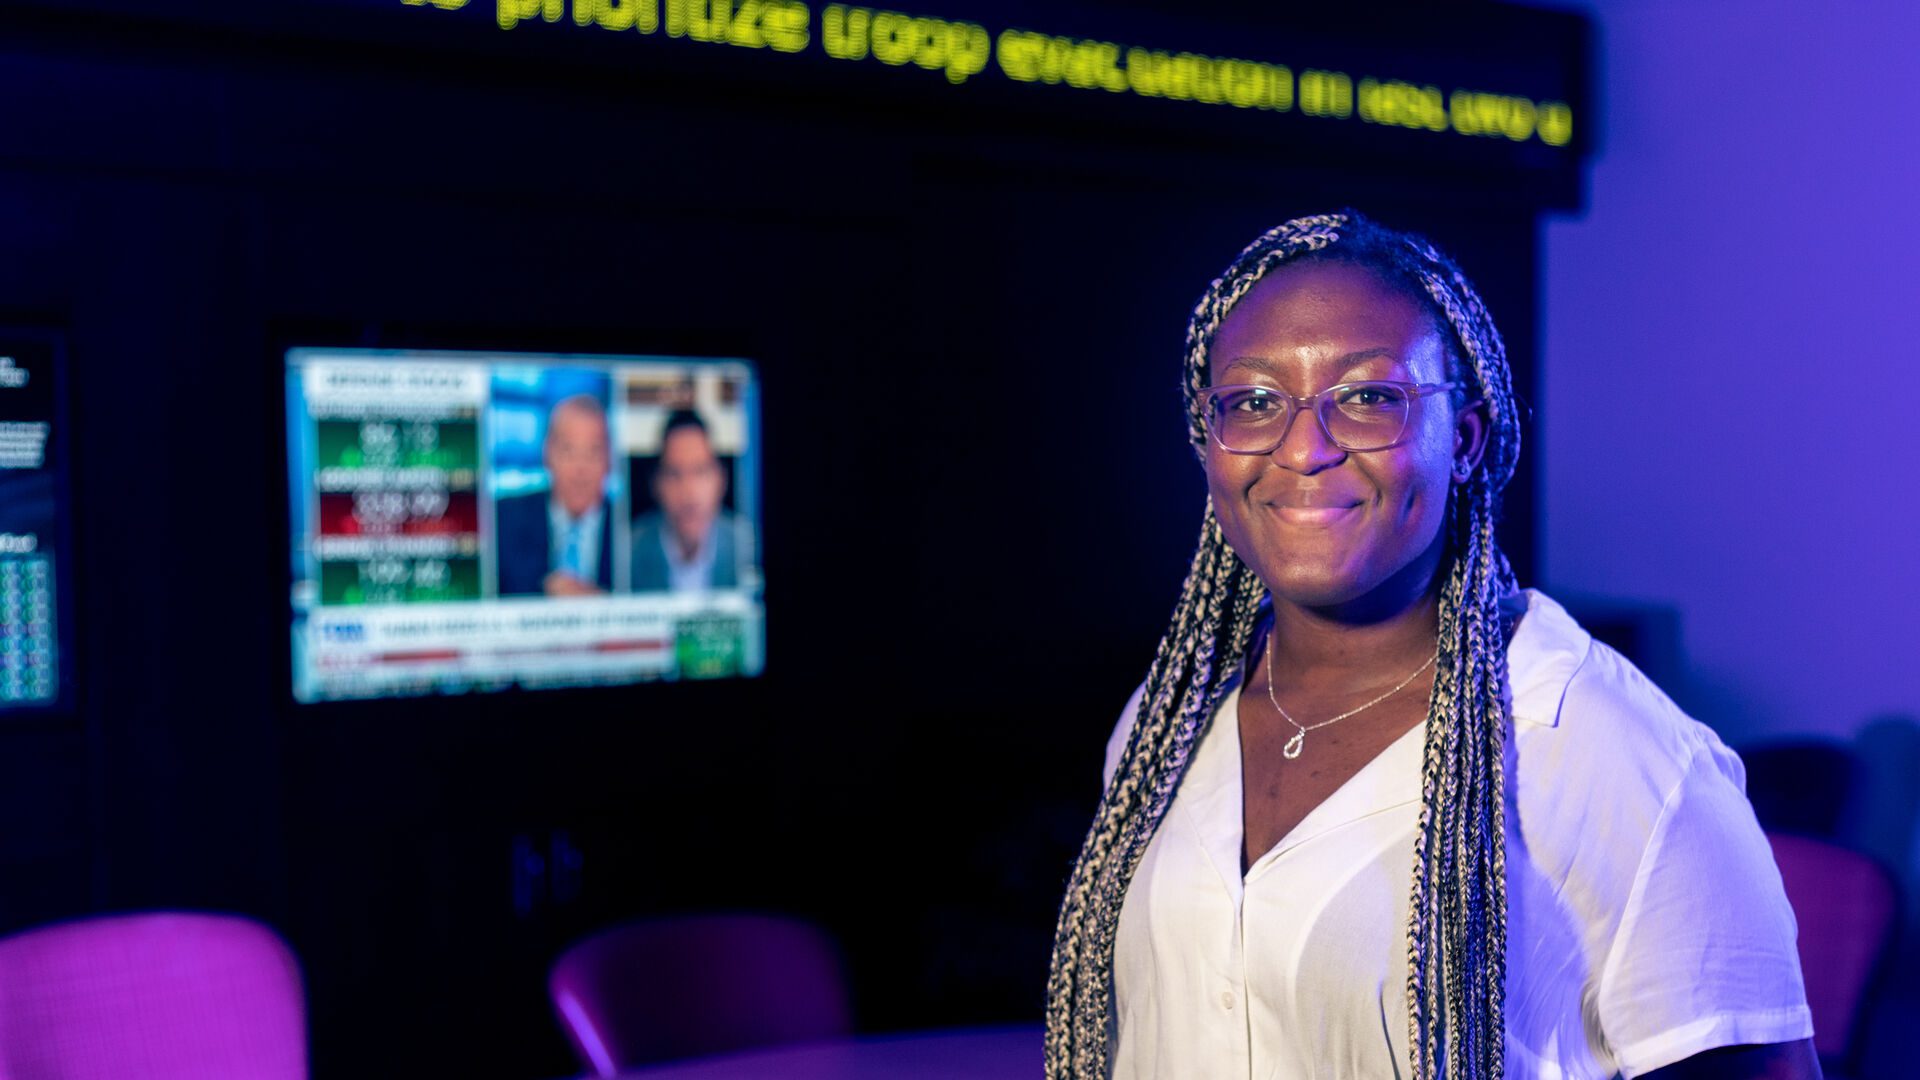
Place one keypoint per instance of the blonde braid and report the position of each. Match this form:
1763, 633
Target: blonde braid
1456, 930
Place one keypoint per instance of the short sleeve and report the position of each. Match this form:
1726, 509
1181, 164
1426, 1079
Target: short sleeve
1117, 742
1704, 955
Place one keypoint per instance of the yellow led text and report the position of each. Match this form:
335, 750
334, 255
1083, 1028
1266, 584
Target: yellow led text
1469, 112
1402, 104
641, 15
960, 49
1088, 64
509, 13
782, 25
1326, 93
1554, 124
1516, 118
1244, 84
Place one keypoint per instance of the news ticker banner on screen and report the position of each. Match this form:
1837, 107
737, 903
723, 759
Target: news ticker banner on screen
473, 521
1495, 87
1516, 99
32, 521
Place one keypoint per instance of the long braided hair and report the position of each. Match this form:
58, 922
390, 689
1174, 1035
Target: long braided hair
1457, 918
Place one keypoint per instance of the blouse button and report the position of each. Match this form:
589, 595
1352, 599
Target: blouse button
1226, 999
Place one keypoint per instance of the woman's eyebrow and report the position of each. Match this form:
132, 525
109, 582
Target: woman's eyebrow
1253, 363
1375, 353
1267, 366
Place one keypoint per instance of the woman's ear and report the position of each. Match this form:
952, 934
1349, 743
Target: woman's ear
1470, 430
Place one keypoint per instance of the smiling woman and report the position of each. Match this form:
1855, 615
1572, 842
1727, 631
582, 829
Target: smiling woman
1443, 832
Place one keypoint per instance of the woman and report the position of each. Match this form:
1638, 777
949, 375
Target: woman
1375, 811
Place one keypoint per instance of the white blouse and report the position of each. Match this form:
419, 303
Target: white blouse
1646, 920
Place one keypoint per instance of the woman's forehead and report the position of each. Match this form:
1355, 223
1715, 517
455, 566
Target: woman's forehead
1327, 319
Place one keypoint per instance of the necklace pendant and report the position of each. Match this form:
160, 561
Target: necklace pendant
1294, 745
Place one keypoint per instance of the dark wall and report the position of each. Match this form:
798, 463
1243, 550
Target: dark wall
978, 505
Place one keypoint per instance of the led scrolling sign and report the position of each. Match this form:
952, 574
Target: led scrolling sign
962, 50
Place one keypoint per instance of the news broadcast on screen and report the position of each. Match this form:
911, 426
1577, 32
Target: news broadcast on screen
469, 521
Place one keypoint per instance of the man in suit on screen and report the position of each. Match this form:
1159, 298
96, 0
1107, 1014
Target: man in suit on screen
690, 542
559, 542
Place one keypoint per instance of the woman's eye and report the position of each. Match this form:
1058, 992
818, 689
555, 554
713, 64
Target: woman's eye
1252, 401
1372, 397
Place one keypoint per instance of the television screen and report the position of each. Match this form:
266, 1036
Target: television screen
472, 521
33, 498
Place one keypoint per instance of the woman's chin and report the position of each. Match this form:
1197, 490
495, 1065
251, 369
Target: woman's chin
1314, 587
1347, 596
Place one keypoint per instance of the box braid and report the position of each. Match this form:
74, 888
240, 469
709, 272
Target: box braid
1457, 915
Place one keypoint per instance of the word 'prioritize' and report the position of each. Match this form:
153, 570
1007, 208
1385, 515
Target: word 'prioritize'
961, 51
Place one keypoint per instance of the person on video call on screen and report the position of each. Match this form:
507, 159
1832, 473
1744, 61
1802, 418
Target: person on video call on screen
690, 542
558, 541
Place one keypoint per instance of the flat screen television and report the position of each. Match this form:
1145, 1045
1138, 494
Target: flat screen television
466, 521
35, 661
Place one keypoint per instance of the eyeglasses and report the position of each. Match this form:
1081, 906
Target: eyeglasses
1356, 416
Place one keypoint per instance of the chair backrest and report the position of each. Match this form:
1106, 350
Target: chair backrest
1846, 904
701, 984
164, 996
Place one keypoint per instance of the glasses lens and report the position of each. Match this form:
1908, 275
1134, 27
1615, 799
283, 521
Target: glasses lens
1367, 415
1249, 418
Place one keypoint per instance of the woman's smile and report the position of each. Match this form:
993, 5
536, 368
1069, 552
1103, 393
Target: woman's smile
1316, 517
1313, 506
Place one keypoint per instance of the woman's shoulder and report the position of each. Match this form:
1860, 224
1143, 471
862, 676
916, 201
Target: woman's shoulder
1635, 832
1589, 725
1563, 678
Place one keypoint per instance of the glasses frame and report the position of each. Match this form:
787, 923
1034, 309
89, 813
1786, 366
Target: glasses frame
1317, 404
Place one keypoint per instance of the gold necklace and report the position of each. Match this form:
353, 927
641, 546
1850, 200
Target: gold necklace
1299, 741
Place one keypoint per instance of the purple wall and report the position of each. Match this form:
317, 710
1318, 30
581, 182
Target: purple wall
1729, 372
1730, 383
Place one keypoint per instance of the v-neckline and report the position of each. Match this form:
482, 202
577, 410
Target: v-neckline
1218, 806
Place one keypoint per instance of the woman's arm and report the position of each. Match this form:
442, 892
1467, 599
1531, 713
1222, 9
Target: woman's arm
1768, 1061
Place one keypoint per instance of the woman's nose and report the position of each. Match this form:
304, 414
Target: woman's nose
1306, 447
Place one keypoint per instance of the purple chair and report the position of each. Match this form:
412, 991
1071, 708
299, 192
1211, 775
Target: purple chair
161, 996
701, 984
1846, 904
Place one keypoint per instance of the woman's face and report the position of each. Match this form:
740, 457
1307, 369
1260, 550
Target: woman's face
1322, 526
